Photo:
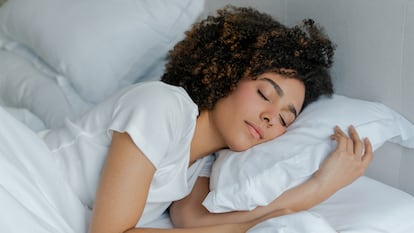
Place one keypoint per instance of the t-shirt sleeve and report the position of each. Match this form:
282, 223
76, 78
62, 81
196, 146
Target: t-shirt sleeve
155, 117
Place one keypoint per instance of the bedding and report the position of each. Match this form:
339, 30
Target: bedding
368, 206
99, 46
52, 84
26, 117
23, 86
362, 207
50, 73
29, 190
33, 198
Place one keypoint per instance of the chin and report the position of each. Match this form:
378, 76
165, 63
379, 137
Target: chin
239, 147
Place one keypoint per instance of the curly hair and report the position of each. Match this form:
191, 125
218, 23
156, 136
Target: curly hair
240, 42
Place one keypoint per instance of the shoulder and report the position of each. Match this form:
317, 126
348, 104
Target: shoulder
155, 102
157, 117
158, 94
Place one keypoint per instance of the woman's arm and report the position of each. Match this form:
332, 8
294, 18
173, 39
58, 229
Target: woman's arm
222, 228
123, 191
189, 211
348, 162
123, 187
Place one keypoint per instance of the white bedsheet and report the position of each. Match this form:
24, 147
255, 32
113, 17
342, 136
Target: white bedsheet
365, 206
368, 206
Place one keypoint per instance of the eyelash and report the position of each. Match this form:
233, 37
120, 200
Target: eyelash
282, 121
262, 95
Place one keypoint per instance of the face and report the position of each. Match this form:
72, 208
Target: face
258, 110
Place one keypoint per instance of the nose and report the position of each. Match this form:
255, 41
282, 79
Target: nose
269, 118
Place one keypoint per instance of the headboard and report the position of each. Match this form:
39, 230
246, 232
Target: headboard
374, 60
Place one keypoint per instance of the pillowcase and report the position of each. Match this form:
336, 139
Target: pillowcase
26, 117
23, 86
255, 177
99, 45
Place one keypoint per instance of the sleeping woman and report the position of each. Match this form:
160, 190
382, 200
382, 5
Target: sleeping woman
236, 80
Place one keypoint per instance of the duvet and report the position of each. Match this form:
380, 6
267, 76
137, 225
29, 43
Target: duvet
33, 198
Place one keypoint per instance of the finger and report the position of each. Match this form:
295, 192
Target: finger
349, 142
368, 154
350, 146
339, 131
358, 146
341, 141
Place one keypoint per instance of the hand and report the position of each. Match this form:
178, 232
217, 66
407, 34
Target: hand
346, 163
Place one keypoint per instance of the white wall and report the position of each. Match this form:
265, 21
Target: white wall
276, 8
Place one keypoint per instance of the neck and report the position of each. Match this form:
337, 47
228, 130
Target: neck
206, 139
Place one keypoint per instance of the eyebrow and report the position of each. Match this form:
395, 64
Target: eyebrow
280, 92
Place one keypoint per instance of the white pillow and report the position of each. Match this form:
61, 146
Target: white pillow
26, 117
99, 45
78, 105
245, 180
23, 86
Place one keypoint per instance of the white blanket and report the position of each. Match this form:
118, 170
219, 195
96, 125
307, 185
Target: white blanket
33, 197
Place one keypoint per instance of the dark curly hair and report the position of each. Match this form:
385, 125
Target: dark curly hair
242, 43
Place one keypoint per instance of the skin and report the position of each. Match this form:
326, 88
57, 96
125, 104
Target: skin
252, 114
255, 112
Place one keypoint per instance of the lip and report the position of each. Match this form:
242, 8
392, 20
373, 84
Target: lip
254, 130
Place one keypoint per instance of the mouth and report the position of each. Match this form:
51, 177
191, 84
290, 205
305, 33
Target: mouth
254, 130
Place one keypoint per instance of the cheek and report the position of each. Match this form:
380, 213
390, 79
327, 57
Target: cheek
246, 102
277, 132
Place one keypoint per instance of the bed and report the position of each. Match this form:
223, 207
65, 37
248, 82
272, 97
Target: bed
58, 58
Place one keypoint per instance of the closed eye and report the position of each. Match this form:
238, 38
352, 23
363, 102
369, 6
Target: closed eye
262, 95
282, 121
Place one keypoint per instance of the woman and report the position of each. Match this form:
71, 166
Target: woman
237, 79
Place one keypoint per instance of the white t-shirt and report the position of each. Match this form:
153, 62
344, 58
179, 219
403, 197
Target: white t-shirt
159, 118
